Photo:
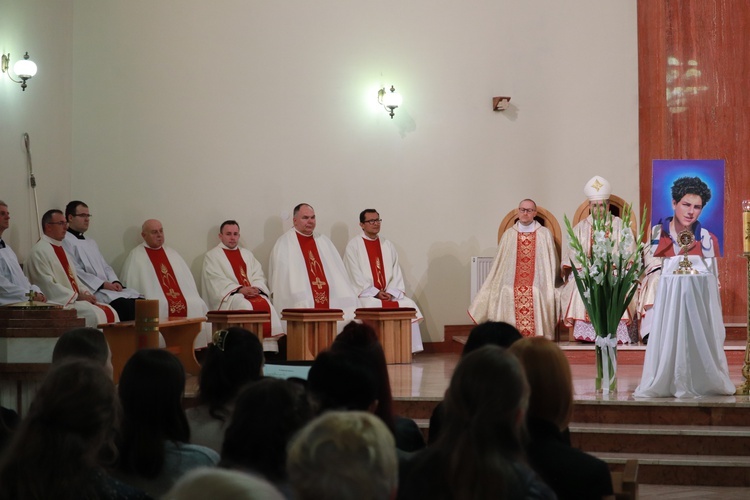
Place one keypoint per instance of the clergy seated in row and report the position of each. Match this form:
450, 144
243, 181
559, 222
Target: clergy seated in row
306, 270
233, 280
161, 274
597, 190
14, 285
50, 268
689, 197
520, 287
95, 273
372, 264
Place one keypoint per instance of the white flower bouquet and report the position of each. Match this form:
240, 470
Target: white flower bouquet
607, 281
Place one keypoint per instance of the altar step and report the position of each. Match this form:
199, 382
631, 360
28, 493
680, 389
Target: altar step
674, 443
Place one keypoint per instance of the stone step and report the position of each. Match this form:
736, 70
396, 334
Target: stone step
630, 438
694, 470
661, 412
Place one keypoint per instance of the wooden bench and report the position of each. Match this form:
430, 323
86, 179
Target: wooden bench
625, 482
393, 328
124, 338
309, 331
249, 320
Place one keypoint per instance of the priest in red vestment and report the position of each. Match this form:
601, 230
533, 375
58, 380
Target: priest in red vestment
372, 264
161, 274
306, 270
233, 279
51, 268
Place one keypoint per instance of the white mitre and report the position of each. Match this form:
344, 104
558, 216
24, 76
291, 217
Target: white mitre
597, 189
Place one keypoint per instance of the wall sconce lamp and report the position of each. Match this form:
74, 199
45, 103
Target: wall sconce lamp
23, 68
500, 103
389, 100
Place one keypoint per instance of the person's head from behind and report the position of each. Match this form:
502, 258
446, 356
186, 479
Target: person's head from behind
266, 416
487, 397
85, 343
151, 387
234, 358
221, 484
344, 456
67, 429
336, 381
359, 342
548, 372
496, 333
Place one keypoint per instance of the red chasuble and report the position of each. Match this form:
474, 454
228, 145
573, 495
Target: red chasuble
176, 303
523, 285
375, 255
240, 273
315, 272
60, 253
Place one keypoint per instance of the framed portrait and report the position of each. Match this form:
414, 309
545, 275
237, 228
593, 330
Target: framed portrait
664, 175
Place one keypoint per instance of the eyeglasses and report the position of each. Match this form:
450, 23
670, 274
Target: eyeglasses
85, 216
374, 221
527, 210
59, 223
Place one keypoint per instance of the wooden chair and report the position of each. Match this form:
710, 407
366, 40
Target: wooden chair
616, 206
625, 482
546, 219
543, 217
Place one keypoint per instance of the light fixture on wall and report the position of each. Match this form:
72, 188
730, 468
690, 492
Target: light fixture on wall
500, 103
389, 99
23, 68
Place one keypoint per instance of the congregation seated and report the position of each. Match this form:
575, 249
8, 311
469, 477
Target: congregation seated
347, 455
83, 343
479, 453
268, 413
221, 484
154, 443
67, 435
359, 342
496, 333
571, 473
232, 360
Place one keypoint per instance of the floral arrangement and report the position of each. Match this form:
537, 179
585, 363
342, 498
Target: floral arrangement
607, 281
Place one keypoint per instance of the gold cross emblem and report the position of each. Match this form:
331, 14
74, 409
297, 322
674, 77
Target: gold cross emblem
318, 283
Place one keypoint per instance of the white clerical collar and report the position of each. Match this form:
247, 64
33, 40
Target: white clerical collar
371, 239
150, 248
222, 245
527, 229
303, 234
52, 241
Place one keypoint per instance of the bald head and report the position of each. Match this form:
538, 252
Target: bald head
152, 233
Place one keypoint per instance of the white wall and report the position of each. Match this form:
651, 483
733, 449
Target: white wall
195, 111
43, 28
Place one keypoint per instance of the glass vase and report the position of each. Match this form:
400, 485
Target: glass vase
606, 365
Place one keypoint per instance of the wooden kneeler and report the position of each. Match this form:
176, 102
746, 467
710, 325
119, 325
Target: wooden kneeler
309, 331
393, 328
247, 319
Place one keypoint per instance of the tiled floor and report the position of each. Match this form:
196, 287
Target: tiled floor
428, 377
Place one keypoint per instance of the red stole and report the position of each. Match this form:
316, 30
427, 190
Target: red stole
375, 256
63, 258
176, 303
315, 272
240, 273
523, 285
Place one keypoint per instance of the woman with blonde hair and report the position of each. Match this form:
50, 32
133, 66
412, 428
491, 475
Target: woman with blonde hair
571, 473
